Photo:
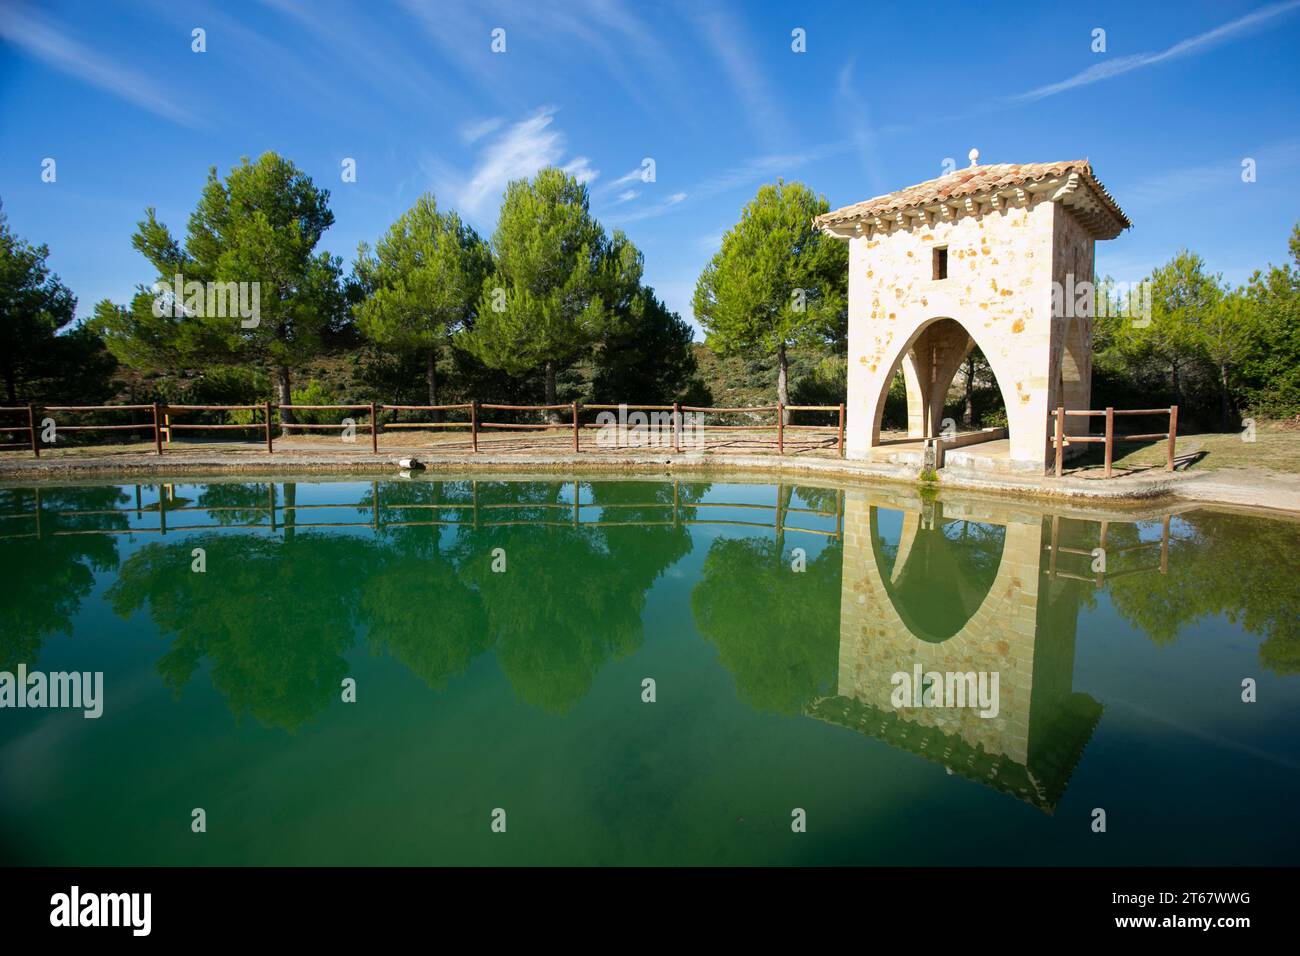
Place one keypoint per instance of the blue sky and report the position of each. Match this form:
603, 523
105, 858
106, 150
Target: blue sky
712, 92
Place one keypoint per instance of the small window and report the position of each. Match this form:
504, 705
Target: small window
941, 262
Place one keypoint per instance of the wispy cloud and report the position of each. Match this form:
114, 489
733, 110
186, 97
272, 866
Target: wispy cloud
471, 133
631, 177
725, 36
650, 212
623, 43
856, 117
516, 152
1180, 183
627, 195
580, 168
370, 53
38, 38
748, 173
764, 167
1117, 66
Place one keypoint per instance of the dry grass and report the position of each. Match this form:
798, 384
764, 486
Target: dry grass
1276, 448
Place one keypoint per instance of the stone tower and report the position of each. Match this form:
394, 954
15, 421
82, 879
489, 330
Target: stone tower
973, 258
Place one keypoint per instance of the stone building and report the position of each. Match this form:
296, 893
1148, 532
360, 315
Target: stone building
973, 258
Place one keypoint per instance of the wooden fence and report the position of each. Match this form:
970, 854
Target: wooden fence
29, 428
1060, 440
164, 420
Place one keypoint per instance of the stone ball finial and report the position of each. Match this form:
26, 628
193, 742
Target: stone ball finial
974, 156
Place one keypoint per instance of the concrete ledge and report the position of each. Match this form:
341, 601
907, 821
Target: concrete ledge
1243, 489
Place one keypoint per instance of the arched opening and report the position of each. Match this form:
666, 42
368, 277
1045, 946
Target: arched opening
929, 364
937, 571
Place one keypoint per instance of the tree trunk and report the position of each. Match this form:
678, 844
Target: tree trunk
968, 410
549, 397
431, 371
1177, 382
782, 385
286, 398
1227, 410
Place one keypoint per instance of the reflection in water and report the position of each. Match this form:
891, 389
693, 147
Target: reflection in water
52, 574
302, 575
986, 607
937, 571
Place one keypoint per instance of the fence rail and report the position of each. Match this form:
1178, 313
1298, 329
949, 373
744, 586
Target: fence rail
1097, 578
29, 428
1060, 440
164, 424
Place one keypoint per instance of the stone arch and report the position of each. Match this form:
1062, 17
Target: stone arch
1072, 382
939, 341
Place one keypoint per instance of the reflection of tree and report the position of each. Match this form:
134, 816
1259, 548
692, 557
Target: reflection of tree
776, 630
273, 617
572, 596
559, 611
425, 616
821, 499
1239, 566
633, 516
250, 502
57, 571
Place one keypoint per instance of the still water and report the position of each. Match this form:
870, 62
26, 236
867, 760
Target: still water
504, 638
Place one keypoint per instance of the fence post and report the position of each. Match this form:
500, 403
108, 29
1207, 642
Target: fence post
157, 433
1110, 440
1060, 440
269, 449
31, 430
374, 430
1173, 436
780, 428
574, 406
841, 429
677, 427
473, 422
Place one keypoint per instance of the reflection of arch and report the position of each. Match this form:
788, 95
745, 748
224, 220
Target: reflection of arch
930, 359
1031, 746
935, 583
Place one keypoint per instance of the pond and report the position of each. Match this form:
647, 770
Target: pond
487, 670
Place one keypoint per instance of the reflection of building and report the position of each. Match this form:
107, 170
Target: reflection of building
961, 588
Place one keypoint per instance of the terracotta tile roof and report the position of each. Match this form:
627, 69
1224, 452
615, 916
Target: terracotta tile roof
971, 181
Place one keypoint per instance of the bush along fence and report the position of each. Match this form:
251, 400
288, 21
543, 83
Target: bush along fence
674, 426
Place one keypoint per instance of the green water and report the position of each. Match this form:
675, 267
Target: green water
500, 638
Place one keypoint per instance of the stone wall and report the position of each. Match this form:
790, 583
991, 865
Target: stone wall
1001, 264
